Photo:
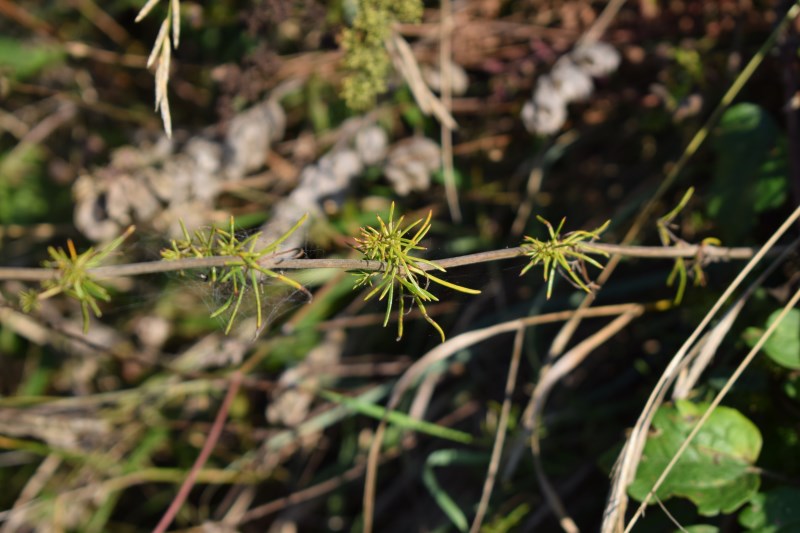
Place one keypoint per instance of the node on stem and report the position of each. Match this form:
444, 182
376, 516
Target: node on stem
564, 254
403, 275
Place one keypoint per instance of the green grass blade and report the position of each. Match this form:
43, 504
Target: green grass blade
398, 419
441, 458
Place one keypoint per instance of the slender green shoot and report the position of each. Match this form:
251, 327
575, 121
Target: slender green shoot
680, 271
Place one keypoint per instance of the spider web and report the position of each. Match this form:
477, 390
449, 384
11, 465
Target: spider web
193, 295
277, 299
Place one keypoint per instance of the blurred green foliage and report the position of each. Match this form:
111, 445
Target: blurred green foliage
783, 346
750, 173
21, 60
364, 47
22, 186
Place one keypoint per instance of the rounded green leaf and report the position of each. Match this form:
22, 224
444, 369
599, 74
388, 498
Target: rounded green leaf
783, 346
744, 182
701, 528
775, 511
715, 471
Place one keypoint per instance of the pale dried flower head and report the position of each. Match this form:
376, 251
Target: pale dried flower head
371, 144
596, 59
546, 113
573, 83
411, 163
459, 81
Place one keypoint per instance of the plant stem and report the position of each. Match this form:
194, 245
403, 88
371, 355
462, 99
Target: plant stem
275, 262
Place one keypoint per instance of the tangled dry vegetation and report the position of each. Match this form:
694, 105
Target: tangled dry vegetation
303, 365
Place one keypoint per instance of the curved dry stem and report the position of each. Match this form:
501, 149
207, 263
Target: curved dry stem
441, 353
714, 404
502, 427
549, 376
563, 337
631, 454
703, 352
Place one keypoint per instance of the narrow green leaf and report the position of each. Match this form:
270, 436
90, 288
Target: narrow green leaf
443, 458
401, 420
453, 286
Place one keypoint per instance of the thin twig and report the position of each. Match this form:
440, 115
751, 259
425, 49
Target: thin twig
536, 177
441, 353
275, 262
601, 24
205, 453
534, 185
16, 12
669, 515
502, 428
446, 68
311, 492
549, 376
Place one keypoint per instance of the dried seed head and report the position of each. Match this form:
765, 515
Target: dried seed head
546, 113
249, 137
342, 165
569, 81
572, 82
372, 144
411, 163
459, 81
596, 59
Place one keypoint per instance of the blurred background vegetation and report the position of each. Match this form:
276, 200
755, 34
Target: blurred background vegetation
97, 431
